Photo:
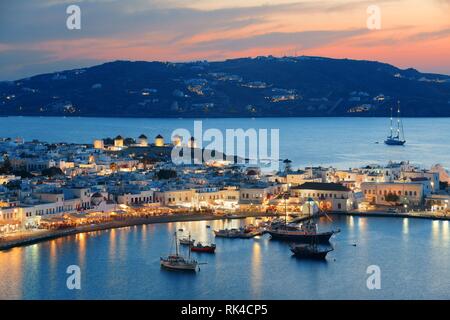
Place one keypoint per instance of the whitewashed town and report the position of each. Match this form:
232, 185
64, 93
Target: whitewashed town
62, 186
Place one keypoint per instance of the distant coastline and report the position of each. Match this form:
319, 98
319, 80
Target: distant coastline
246, 87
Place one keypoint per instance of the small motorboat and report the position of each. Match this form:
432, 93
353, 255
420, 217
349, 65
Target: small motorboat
240, 233
199, 247
310, 251
187, 241
227, 233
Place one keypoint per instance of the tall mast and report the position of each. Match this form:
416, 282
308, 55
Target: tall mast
391, 123
285, 208
176, 243
189, 256
398, 119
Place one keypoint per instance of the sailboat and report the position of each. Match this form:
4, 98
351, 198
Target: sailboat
177, 262
399, 138
306, 233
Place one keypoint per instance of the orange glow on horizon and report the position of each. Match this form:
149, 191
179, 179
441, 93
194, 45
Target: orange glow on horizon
413, 33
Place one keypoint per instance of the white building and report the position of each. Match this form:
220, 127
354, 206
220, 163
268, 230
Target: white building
329, 196
393, 193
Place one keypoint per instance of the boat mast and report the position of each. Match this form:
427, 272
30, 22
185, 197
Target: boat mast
176, 243
189, 254
398, 119
391, 124
401, 122
285, 208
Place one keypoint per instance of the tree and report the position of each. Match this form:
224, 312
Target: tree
164, 174
6, 168
14, 185
23, 174
108, 142
287, 165
392, 197
129, 141
51, 172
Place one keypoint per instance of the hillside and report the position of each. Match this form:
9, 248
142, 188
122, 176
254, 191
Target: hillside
263, 86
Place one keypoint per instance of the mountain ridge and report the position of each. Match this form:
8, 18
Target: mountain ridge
244, 87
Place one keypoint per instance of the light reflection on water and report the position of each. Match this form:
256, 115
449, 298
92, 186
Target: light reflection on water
124, 263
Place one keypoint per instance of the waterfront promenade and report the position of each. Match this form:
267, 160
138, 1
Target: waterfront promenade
434, 215
24, 238
30, 237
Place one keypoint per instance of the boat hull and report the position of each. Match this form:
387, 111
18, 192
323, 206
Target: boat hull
206, 250
187, 243
224, 234
237, 235
310, 255
323, 237
178, 267
392, 142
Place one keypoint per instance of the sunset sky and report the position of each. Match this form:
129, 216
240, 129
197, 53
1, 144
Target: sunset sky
34, 37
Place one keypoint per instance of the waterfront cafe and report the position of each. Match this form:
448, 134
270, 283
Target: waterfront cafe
9, 226
278, 205
56, 222
88, 218
438, 203
9, 221
152, 209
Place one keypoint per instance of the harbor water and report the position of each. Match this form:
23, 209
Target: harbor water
413, 256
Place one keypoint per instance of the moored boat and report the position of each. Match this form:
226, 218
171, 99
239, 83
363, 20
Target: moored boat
310, 251
178, 262
236, 233
300, 235
306, 232
227, 233
199, 247
397, 139
187, 241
